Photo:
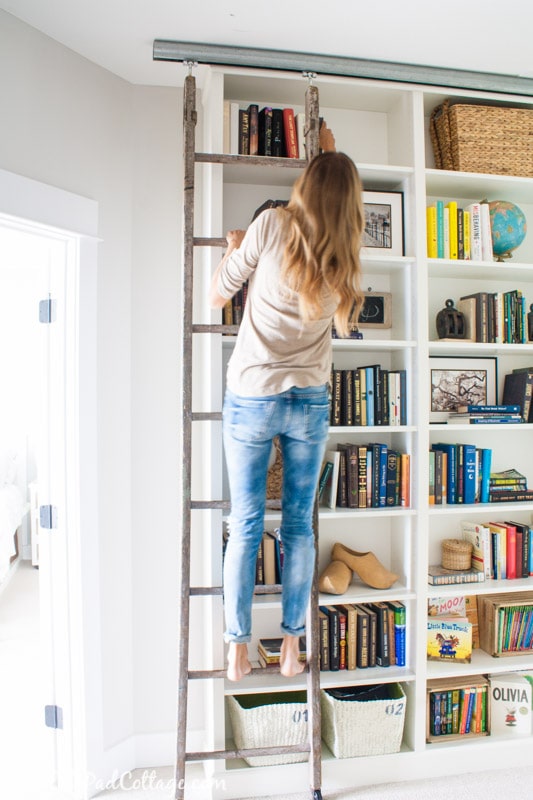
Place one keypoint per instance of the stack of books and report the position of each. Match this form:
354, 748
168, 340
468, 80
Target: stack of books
269, 651
485, 414
508, 486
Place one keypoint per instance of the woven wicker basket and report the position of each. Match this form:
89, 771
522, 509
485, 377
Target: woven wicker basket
456, 554
269, 720
489, 139
371, 728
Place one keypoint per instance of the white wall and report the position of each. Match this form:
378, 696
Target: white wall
71, 124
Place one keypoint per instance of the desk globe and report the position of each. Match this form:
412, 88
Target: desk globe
508, 225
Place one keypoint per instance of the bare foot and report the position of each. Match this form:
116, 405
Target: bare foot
288, 663
238, 664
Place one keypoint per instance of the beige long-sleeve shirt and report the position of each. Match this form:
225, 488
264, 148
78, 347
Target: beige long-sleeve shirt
275, 348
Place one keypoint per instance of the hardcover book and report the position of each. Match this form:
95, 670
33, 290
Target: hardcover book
449, 639
510, 705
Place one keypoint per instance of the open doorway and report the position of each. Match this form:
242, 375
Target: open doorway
24, 279
48, 260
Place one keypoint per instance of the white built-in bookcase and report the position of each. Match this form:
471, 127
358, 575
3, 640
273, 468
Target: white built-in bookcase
384, 128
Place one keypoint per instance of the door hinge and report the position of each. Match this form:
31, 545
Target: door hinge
47, 310
48, 517
53, 716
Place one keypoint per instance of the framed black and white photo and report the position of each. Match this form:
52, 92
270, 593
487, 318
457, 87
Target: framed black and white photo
383, 232
460, 381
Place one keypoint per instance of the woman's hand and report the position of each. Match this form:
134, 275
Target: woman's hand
234, 238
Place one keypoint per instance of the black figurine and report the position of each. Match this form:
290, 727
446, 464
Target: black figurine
451, 324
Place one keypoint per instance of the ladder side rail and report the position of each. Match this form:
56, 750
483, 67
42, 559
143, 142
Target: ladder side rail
312, 124
189, 124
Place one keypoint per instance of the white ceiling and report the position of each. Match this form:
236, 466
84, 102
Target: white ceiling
478, 35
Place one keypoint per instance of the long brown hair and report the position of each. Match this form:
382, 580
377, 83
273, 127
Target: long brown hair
324, 220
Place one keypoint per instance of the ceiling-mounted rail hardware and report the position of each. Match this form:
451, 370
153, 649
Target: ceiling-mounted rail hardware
253, 57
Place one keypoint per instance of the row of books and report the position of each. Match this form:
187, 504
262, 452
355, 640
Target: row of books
499, 704
459, 711
506, 623
365, 476
495, 317
500, 549
368, 395
518, 389
459, 473
454, 232
361, 635
252, 131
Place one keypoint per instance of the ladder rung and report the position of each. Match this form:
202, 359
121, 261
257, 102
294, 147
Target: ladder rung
229, 330
208, 591
209, 241
210, 504
272, 505
248, 752
206, 674
201, 416
262, 161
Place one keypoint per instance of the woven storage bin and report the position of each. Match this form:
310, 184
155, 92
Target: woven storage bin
456, 554
367, 728
483, 139
269, 720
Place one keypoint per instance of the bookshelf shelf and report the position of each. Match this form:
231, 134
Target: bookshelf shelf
479, 349
382, 127
494, 509
481, 663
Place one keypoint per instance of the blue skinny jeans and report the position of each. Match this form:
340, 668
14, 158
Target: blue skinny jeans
300, 417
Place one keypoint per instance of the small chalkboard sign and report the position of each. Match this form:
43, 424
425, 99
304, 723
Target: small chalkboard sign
376, 311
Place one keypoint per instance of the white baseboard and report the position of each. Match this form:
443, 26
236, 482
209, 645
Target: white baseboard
143, 751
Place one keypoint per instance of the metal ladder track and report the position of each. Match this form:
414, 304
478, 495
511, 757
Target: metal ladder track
313, 747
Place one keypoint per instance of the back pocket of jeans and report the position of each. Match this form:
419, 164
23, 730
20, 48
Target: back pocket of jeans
249, 420
316, 422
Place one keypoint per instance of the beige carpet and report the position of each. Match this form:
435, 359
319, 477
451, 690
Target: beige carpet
491, 785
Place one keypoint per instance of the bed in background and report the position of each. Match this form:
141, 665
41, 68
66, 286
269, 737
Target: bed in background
13, 507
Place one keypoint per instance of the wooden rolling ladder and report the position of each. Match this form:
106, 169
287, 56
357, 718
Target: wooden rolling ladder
189, 329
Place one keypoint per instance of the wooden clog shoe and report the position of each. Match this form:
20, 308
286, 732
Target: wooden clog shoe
366, 565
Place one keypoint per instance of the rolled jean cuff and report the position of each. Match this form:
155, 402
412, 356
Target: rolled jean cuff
231, 638
292, 631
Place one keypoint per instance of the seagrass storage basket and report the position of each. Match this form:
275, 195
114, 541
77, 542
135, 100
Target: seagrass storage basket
456, 554
490, 139
269, 720
364, 727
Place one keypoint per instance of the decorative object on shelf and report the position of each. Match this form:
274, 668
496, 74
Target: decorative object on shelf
476, 138
451, 323
460, 381
383, 234
508, 226
335, 579
366, 565
376, 311
456, 554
